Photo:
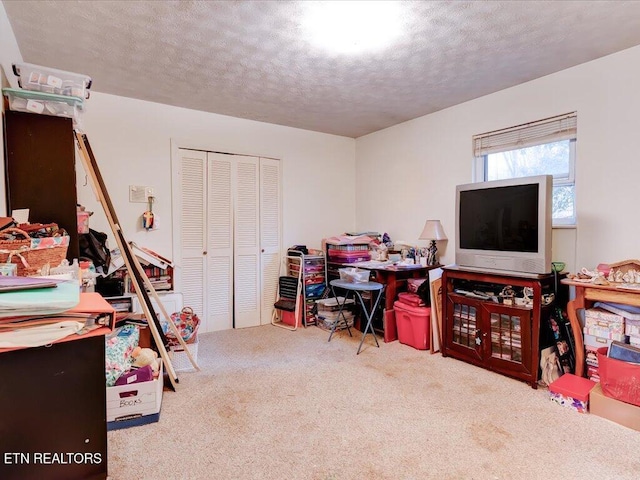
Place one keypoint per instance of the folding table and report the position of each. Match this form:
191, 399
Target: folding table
355, 288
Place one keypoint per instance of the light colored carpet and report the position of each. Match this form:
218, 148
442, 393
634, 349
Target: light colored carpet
275, 404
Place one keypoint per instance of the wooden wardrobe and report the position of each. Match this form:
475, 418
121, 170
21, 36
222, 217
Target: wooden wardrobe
40, 170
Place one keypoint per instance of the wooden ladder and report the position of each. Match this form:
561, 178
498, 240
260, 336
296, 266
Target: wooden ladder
139, 278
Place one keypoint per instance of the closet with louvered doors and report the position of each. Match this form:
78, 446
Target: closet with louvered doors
227, 236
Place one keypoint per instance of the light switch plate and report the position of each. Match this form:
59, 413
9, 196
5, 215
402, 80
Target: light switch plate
139, 193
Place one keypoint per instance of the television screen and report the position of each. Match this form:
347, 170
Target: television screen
500, 218
505, 224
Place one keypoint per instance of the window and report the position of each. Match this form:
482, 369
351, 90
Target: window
539, 148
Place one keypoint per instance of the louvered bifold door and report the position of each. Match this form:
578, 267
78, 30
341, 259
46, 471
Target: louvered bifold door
270, 234
219, 271
190, 271
246, 242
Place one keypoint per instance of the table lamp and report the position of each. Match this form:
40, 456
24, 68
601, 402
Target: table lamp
432, 231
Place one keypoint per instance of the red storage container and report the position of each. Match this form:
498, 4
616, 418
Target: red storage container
411, 299
289, 318
618, 379
413, 325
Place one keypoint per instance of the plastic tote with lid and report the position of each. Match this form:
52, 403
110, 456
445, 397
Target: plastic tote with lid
51, 80
44, 103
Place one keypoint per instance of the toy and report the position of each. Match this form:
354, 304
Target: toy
145, 356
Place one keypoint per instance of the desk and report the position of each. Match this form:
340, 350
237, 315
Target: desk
586, 293
54, 400
392, 277
356, 288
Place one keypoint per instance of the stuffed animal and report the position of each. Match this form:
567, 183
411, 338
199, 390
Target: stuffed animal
145, 356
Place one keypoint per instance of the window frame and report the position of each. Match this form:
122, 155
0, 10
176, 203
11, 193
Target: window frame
480, 168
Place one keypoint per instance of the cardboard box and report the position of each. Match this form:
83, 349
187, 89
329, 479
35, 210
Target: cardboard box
632, 327
603, 332
614, 410
131, 402
604, 318
597, 342
133, 422
571, 391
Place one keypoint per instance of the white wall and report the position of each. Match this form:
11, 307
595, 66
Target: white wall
9, 53
401, 176
407, 173
132, 141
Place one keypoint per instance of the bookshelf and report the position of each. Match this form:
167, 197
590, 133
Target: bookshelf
158, 269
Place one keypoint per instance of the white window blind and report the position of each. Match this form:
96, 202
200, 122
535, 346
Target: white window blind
561, 127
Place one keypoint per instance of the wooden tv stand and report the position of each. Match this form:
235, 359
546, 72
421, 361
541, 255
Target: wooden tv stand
499, 337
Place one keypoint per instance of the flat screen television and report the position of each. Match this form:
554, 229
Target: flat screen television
505, 225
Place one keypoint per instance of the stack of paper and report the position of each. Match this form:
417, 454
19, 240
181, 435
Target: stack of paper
39, 300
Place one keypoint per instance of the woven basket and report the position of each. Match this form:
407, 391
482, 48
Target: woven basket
31, 254
187, 323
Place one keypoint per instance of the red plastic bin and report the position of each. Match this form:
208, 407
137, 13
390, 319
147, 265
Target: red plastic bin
411, 299
289, 318
618, 379
413, 325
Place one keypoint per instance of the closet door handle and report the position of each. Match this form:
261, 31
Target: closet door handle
204, 253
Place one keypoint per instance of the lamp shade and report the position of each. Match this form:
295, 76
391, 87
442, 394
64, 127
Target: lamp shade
433, 231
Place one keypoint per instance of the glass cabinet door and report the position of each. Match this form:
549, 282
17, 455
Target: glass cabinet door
464, 326
506, 337
509, 333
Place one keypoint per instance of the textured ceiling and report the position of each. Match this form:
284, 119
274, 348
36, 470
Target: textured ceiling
250, 59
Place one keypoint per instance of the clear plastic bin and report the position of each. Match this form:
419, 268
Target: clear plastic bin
354, 275
44, 103
50, 80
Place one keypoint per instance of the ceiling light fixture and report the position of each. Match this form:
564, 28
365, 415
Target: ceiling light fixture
350, 27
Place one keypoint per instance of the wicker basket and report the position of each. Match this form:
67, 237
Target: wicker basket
31, 254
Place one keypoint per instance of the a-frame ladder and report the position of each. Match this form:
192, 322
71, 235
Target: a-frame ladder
139, 278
